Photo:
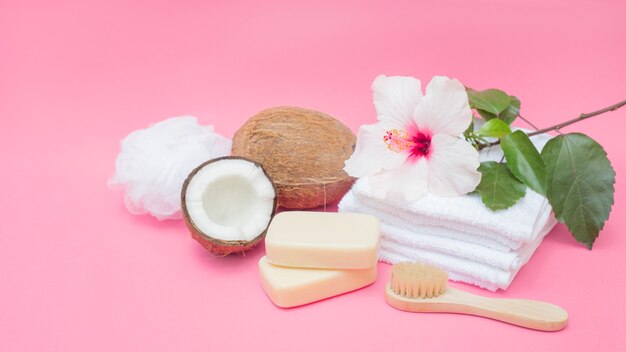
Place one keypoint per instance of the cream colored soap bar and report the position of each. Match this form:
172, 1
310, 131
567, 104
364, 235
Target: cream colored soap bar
307, 239
290, 287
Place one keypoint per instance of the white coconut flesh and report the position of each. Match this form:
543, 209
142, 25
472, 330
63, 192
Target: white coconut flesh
230, 200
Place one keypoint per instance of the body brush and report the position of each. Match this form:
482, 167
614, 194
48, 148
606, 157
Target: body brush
416, 287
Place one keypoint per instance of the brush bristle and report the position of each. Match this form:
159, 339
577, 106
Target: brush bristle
415, 280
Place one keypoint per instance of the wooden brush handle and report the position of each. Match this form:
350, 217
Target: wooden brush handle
522, 312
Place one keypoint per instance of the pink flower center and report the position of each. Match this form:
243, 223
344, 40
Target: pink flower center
416, 143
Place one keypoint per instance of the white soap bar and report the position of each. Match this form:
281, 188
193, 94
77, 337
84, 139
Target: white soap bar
307, 239
290, 287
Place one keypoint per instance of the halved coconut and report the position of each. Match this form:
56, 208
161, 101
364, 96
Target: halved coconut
228, 203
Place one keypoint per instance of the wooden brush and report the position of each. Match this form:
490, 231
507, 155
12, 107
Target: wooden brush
417, 287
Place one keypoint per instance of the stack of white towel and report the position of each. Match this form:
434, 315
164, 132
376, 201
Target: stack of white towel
460, 235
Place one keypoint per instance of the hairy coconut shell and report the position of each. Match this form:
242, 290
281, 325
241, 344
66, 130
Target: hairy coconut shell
215, 245
302, 150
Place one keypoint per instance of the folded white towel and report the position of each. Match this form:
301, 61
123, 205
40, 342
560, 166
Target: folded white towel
511, 227
399, 232
473, 271
465, 261
426, 225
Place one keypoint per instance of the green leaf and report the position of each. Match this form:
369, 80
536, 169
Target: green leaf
512, 111
580, 184
486, 115
492, 101
524, 161
494, 104
494, 128
498, 187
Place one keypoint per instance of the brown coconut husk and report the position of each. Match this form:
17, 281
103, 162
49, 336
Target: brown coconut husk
214, 245
302, 150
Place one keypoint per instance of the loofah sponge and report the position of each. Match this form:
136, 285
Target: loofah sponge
155, 161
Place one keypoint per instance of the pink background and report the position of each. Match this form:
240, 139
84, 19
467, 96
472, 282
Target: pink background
79, 273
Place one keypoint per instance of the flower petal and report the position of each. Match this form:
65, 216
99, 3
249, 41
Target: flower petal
452, 167
445, 108
408, 180
395, 99
371, 154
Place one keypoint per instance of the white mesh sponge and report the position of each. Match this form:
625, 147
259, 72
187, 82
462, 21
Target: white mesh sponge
155, 161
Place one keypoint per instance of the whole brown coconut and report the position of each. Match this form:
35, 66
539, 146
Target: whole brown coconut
302, 150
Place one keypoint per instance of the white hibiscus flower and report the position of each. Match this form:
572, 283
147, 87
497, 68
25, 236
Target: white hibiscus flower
415, 147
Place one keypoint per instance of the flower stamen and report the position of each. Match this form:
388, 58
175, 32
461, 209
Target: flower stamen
397, 140
417, 144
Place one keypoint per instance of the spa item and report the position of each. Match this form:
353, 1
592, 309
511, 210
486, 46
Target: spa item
290, 287
323, 240
466, 255
422, 288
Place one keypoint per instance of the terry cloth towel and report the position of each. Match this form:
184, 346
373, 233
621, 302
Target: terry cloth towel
399, 232
464, 261
511, 227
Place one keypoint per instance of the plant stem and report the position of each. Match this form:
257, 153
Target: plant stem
528, 122
579, 118
557, 127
